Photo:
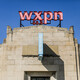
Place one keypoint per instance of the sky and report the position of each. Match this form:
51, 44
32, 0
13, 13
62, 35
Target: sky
9, 14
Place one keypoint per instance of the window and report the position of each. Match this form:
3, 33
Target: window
40, 78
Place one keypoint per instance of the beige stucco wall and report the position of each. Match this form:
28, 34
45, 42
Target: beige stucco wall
19, 53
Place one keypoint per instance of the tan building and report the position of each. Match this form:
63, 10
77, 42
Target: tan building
79, 60
19, 54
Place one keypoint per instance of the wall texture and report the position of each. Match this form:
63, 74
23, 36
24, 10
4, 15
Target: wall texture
19, 54
79, 60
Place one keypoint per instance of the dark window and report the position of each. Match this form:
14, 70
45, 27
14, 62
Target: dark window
40, 78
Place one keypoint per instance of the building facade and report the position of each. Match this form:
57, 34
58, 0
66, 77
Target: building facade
19, 59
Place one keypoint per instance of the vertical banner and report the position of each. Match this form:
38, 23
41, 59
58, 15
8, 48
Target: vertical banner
40, 45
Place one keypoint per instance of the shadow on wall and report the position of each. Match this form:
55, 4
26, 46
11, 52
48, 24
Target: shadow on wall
79, 57
51, 58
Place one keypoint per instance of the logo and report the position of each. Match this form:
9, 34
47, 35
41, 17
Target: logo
39, 18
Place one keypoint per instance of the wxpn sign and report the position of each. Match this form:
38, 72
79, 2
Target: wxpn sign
39, 18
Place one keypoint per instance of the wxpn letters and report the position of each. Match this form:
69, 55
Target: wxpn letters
28, 16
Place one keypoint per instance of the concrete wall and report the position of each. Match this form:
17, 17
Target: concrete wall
79, 60
19, 54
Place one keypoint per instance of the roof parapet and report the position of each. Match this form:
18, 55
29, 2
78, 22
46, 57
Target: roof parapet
71, 30
9, 29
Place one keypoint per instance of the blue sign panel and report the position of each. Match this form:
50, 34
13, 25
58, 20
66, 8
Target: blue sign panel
40, 45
